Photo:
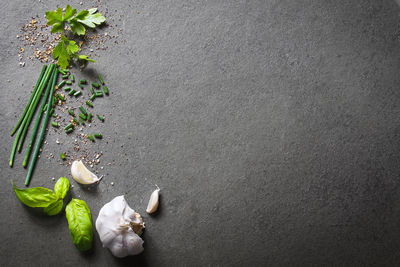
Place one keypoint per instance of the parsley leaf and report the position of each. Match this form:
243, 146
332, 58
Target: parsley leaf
92, 19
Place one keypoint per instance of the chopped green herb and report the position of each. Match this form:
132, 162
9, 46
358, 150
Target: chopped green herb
76, 121
96, 85
89, 104
98, 135
105, 89
65, 76
61, 84
77, 93
99, 94
71, 112
82, 109
90, 137
69, 130
82, 121
68, 82
70, 125
62, 156
82, 81
72, 78
100, 118
101, 79
82, 116
92, 97
72, 92
66, 89
89, 117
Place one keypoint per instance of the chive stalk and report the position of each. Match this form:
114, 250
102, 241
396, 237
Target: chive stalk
96, 85
43, 107
92, 97
72, 78
68, 82
32, 108
30, 100
99, 94
77, 93
70, 130
61, 84
98, 135
71, 112
62, 156
42, 131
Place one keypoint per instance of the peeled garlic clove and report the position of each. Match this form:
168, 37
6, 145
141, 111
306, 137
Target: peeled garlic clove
119, 228
153, 202
81, 174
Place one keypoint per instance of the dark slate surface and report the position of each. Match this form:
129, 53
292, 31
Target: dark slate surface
272, 128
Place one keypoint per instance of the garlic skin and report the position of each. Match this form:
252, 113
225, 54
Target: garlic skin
153, 201
81, 174
119, 228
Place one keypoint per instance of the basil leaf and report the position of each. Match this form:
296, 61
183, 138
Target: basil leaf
54, 208
37, 197
80, 224
61, 187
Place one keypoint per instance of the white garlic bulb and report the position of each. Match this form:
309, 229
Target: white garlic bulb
153, 201
120, 227
81, 174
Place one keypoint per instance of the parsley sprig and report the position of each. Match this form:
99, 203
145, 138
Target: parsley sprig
67, 49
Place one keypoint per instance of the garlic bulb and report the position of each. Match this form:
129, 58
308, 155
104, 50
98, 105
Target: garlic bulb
153, 201
81, 174
119, 228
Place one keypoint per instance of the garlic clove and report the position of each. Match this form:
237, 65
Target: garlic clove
119, 228
153, 201
81, 174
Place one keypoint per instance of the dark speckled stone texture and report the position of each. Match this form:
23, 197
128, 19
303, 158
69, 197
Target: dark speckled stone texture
271, 127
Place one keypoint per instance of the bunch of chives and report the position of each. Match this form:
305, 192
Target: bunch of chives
45, 83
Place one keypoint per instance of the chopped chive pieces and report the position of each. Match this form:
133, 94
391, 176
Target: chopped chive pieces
61, 71
72, 78
99, 94
89, 104
69, 126
98, 136
89, 117
66, 89
82, 82
61, 84
101, 79
68, 82
92, 97
71, 92
54, 115
100, 118
69, 130
96, 85
90, 137
65, 76
60, 97
82, 121
92, 90
55, 124
82, 116
77, 93
82, 109
80, 86
51, 111
71, 112
76, 121
65, 70
62, 156
105, 89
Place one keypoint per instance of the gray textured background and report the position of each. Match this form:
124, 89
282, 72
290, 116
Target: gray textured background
272, 128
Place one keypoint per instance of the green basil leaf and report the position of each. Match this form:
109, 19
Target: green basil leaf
61, 187
80, 224
54, 208
37, 197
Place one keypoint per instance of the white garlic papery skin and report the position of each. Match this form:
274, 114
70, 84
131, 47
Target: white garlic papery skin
119, 228
153, 201
81, 174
